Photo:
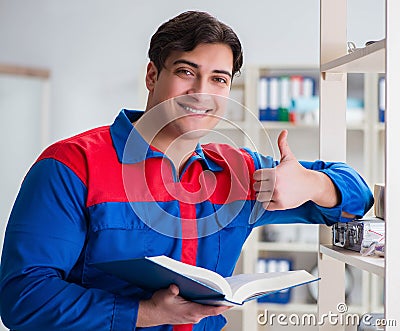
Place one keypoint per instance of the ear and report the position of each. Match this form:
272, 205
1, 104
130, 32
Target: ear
151, 76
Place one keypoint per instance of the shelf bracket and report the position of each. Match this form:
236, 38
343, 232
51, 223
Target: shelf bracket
333, 76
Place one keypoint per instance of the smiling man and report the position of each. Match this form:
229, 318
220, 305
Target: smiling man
144, 186
200, 74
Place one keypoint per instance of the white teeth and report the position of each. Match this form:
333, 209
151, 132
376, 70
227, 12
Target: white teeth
196, 111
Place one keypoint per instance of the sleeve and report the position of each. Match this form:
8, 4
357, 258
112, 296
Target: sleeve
44, 239
355, 196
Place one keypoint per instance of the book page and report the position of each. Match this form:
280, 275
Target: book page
245, 286
202, 275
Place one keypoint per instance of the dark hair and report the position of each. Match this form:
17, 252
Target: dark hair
189, 29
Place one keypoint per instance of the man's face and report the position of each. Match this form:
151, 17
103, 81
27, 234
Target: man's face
197, 78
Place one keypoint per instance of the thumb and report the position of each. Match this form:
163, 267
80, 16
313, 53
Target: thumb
284, 149
173, 289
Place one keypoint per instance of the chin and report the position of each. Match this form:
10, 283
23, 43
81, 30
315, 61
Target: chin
194, 128
194, 134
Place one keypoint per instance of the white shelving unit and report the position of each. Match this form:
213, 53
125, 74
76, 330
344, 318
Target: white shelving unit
373, 264
333, 135
381, 57
298, 251
367, 59
299, 247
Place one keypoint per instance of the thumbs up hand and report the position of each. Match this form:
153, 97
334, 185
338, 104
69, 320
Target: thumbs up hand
289, 185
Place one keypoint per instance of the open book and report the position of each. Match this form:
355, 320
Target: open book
199, 284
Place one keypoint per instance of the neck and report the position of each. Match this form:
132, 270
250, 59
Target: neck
177, 149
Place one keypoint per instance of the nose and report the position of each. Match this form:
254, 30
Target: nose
199, 85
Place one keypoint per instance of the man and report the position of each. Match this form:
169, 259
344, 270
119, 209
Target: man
144, 187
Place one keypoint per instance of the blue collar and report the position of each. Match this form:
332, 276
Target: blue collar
132, 148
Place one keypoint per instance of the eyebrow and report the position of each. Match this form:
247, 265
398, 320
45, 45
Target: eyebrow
195, 65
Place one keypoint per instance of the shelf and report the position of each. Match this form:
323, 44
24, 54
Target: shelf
287, 247
287, 125
356, 127
380, 127
299, 126
367, 59
371, 264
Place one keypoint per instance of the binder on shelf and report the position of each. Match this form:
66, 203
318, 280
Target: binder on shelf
273, 111
275, 265
304, 102
296, 83
308, 87
279, 95
263, 98
381, 99
295, 93
269, 99
285, 99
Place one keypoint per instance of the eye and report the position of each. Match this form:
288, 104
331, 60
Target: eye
221, 80
184, 72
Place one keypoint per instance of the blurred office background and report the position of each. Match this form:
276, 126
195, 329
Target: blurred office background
95, 53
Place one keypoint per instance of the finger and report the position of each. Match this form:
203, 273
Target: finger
284, 149
275, 203
174, 290
264, 174
264, 196
264, 185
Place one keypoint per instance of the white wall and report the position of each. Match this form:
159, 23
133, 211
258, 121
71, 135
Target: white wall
97, 49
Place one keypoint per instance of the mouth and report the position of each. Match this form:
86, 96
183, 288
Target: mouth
195, 110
